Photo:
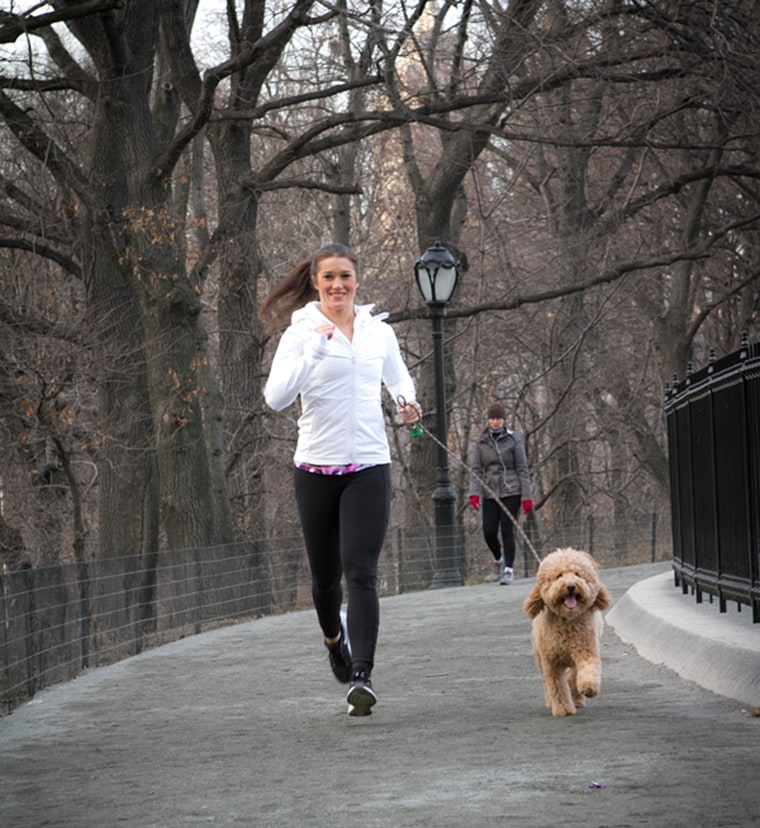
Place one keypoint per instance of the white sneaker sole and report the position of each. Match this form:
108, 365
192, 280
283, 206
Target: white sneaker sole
361, 700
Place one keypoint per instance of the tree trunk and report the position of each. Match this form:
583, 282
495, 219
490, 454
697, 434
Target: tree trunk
135, 245
241, 348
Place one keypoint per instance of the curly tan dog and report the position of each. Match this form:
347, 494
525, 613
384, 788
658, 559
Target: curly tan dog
565, 606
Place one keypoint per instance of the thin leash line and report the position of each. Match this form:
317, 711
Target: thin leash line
402, 402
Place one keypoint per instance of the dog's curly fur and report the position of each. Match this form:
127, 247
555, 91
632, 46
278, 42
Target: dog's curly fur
565, 605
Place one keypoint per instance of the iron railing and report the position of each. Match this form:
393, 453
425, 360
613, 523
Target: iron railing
713, 419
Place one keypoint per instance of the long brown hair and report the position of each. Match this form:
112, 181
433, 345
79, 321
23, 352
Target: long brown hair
296, 288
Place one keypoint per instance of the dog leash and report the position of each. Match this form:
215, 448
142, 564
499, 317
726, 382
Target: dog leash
417, 430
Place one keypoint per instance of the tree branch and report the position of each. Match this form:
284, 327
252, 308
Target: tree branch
13, 26
45, 251
203, 106
606, 277
42, 147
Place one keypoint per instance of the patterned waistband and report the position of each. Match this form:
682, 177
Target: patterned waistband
348, 468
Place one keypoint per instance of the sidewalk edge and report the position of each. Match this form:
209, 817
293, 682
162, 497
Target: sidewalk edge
718, 651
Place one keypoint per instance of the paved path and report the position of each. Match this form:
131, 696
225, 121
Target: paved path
245, 726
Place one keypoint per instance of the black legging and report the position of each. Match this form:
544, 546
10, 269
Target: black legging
344, 520
493, 518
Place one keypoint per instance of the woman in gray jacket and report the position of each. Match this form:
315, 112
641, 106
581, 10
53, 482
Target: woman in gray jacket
499, 460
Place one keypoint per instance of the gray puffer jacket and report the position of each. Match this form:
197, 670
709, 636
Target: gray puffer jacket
500, 461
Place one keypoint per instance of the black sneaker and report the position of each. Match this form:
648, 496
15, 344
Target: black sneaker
340, 658
361, 697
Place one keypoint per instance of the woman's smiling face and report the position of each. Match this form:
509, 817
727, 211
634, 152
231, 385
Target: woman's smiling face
336, 283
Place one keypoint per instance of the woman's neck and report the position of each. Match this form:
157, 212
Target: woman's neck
343, 321
339, 317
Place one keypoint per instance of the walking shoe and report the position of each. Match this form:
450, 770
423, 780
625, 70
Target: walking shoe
361, 697
497, 569
340, 657
508, 577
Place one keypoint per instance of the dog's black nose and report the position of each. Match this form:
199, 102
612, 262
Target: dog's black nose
571, 588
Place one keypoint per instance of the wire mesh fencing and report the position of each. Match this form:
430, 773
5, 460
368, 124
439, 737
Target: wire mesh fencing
58, 621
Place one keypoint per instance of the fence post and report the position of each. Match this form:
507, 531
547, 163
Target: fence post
399, 560
5, 621
84, 612
197, 609
29, 625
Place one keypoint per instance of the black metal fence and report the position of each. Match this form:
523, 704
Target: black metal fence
713, 419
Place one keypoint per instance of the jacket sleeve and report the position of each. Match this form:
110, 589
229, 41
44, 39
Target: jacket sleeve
521, 467
476, 467
294, 360
396, 375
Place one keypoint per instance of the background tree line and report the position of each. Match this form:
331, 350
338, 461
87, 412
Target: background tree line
592, 163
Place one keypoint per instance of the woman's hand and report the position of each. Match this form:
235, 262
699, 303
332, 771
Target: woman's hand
411, 412
326, 328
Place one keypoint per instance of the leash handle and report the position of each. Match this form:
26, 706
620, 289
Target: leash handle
415, 430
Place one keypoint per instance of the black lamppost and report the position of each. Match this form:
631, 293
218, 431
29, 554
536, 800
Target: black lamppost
437, 274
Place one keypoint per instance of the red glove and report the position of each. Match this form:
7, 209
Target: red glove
475, 502
527, 506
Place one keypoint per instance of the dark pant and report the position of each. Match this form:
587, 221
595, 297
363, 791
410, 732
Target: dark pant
344, 520
495, 518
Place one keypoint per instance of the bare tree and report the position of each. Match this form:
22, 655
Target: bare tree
592, 165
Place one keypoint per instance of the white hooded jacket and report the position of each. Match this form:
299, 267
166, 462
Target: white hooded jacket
340, 384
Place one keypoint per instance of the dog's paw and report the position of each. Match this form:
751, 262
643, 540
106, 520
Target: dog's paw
565, 707
589, 691
562, 710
